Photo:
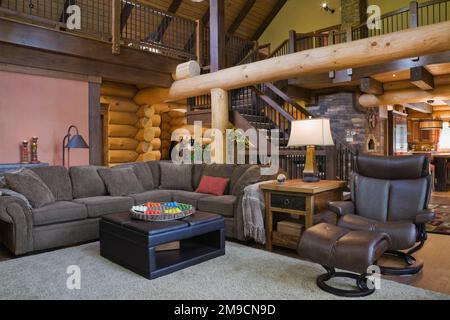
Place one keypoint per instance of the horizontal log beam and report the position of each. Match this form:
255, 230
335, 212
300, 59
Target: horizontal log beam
420, 107
405, 96
422, 41
371, 86
422, 78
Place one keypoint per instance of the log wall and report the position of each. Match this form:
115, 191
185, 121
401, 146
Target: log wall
121, 146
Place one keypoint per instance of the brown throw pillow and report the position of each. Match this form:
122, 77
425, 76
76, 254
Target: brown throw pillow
176, 176
28, 183
121, 181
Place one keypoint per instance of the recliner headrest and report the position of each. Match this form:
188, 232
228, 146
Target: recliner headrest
392, 168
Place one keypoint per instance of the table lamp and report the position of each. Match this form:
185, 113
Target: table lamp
310, 133
74, 141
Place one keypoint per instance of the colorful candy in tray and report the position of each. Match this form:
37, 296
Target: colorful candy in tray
162, 211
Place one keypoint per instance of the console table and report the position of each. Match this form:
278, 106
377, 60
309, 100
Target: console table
5, 167
296, 197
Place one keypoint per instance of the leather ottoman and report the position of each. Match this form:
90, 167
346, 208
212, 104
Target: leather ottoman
132, 243
336, 247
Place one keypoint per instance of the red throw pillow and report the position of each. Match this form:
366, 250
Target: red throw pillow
213, 185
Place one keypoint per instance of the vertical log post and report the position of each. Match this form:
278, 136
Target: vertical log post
219, 120
292, 41
115, 14
413, 14
199, 42
217, 34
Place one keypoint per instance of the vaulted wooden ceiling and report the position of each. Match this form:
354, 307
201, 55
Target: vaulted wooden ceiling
245, 18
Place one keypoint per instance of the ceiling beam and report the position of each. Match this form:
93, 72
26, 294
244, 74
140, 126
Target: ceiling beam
422, 78
405, 96
420, 107
125, 14
165, 22
268, 19
372, 86
241, 16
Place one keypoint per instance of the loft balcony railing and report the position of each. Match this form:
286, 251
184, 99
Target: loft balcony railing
140, 26
416, 15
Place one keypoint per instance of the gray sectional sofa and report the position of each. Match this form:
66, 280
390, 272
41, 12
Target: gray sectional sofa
81, 197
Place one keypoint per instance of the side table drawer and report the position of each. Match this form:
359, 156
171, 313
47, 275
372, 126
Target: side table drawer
288, 202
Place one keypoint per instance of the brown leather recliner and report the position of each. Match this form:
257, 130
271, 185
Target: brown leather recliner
390, 195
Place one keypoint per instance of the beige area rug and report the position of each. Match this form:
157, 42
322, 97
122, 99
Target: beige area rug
243, 273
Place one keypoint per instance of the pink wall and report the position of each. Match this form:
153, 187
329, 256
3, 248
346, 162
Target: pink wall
44, 107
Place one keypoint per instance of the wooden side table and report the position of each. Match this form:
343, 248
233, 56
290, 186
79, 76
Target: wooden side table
300, 198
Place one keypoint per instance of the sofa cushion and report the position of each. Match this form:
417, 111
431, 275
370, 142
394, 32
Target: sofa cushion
176, 176
58, 180
86, 182
238, 171
152, 196
213, 185
250, 176
197, 174
156, 172
57, 212
188, 197
120, 181
31, 186
223, 205
142, 172
101, 205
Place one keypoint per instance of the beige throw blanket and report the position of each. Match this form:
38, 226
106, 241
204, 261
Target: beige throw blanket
253, 209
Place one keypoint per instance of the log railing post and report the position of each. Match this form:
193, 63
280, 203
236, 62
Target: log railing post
116, 8
199, 42
292, 44
413, 14
348, 34
219, 121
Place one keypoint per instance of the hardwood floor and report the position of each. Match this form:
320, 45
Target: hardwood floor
436, 272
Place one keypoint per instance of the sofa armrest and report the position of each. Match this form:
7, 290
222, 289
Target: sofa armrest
425, 216
17, 228
342, 208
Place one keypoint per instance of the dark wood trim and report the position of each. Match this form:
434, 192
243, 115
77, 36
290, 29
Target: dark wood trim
45, 73
165, 22
217, 35
371, 86
422, 78
241, 16
95, 126
70, 44
125, 14
268, 19
29, 57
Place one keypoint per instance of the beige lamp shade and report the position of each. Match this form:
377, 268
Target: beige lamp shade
312, 132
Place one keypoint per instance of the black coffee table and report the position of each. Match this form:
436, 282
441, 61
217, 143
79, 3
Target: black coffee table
132, 243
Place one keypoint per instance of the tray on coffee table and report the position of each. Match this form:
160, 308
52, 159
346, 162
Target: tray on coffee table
161, 211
